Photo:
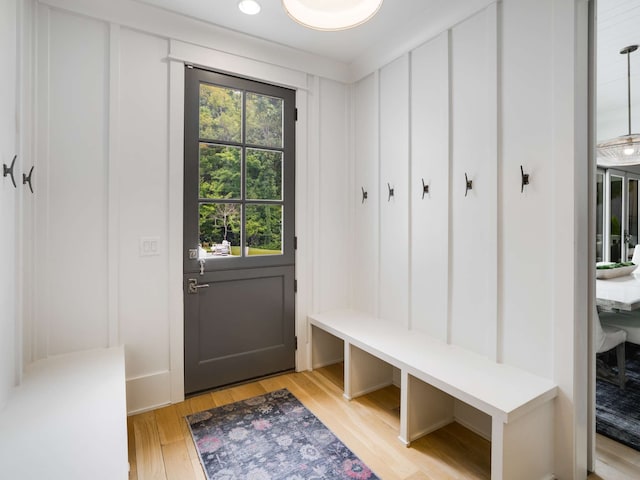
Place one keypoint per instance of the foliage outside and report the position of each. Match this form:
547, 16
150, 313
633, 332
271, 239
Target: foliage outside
221, 170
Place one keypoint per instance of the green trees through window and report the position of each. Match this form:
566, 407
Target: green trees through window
240, 171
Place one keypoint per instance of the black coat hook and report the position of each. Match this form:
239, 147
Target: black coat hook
525, 179
365, 195
9, 170
391, 192
26, 179
425, 188
468, 184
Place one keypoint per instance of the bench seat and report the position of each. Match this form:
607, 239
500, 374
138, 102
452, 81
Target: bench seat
68, 419
434, 375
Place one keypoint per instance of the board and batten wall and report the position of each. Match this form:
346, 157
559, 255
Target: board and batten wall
493, 269
109, 78
110, 94
9, 201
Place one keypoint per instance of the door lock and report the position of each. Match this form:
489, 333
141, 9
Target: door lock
194, 287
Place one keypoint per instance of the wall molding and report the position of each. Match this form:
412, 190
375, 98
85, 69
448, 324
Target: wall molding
156, 21
148, 392
113, 194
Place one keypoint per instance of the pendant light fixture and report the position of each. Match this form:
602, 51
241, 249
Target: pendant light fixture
331, 15
625, 149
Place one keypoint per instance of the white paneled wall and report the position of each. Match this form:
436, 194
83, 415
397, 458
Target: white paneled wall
365, 233
71, 200
430, 167
394, 174
495, 270
107, 143
142, 169
333, 188
9, 202
526, 226
474, 229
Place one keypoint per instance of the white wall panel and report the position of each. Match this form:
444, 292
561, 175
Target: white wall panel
430, 164
473, 313
365, 246
8, 200
143, 200
333, 227
394, 172
526, 293
71, 195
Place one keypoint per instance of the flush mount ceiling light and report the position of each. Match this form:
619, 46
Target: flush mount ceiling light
331, 15
250, 7
625, 149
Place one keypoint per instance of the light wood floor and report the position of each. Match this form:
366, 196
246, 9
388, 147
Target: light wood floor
160, 445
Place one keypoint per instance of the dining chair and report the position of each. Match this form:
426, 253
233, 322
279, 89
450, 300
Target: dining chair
608, 338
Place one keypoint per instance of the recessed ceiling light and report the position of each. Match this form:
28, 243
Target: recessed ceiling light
250, 7
331, 14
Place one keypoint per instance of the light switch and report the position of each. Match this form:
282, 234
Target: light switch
149, 246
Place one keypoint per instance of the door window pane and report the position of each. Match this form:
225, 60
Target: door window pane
220, 229
599, 216
264, 120
632, 239
616, 219
220, 113
220, 171
264, 174
263, 229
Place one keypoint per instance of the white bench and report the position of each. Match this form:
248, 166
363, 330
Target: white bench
433, 375
68, 420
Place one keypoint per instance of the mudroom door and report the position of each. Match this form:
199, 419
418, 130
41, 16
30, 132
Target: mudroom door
239, 232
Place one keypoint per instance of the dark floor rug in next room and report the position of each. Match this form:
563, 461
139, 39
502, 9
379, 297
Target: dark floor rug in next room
618, 411
271, 437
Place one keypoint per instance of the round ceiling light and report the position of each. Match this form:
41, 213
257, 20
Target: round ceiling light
331, 14
625, 149
250, 7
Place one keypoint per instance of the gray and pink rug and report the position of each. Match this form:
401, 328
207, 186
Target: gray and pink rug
271, 437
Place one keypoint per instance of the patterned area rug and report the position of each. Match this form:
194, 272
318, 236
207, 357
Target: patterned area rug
618, 411
271, 437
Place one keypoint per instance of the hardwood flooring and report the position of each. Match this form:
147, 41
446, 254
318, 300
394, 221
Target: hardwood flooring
160, 445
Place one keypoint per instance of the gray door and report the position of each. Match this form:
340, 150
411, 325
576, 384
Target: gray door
239, 229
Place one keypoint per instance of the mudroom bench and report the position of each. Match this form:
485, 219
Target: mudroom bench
433, 377
68, 419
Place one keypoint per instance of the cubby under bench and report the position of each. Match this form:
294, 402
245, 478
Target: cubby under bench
433, 377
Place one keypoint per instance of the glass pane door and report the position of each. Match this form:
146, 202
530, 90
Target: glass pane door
244, 170
599, 216
616, 218
631, 236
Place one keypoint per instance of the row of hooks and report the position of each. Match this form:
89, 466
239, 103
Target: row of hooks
468, 186
26, 179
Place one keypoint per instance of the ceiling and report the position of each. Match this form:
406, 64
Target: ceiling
618, 27
273, 24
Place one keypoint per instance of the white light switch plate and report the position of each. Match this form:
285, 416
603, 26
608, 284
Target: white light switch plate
149, 246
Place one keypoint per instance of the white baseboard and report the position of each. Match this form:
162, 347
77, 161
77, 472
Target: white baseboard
148, 392
373, 388
326, 363
473, 428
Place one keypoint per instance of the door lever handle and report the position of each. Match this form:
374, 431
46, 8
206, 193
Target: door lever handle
194, 287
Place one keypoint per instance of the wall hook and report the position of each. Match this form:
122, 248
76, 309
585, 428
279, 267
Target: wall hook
425, 188
391, 192
26, 179
469, 184
9, 170
525, 179
365, 195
